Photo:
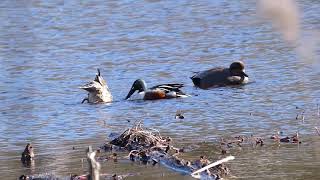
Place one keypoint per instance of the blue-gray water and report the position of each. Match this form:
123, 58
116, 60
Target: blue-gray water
49, 49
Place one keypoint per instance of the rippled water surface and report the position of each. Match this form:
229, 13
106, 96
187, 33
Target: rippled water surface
49, 48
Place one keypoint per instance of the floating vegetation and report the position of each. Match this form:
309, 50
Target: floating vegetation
240, 140
286, 139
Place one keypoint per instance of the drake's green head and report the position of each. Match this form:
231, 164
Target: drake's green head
138, 85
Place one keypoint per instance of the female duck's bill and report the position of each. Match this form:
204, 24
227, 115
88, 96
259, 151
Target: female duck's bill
98, 91
234, 75
163, 91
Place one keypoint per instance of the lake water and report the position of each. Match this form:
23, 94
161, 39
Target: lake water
50, 48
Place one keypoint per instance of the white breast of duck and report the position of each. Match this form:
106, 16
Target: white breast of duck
245, 80
237, 79
137, 96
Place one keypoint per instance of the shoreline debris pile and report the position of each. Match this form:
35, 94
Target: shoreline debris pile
148, 146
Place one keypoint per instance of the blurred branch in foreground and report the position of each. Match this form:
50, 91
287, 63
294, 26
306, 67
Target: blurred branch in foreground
286, 18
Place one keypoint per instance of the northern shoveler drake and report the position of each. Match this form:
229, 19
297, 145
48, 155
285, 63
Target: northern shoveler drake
98, 90
27, 154
234, 75
163, 91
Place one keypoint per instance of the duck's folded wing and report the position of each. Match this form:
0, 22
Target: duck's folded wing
211, 77
168, 87
207, 73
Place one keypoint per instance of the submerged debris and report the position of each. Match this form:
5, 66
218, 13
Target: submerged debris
216, 166
41, 177
72, 177
247, 141
240, 141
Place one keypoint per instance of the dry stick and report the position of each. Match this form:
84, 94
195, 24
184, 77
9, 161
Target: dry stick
210, 166
318, 131
94, 166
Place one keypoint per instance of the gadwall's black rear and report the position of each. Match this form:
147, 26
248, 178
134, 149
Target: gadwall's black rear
234, 75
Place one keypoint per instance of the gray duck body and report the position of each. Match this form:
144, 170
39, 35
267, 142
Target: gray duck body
217, 77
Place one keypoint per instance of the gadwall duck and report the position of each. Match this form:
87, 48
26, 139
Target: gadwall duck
163, 91
98, 91
234, 75
27, 154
